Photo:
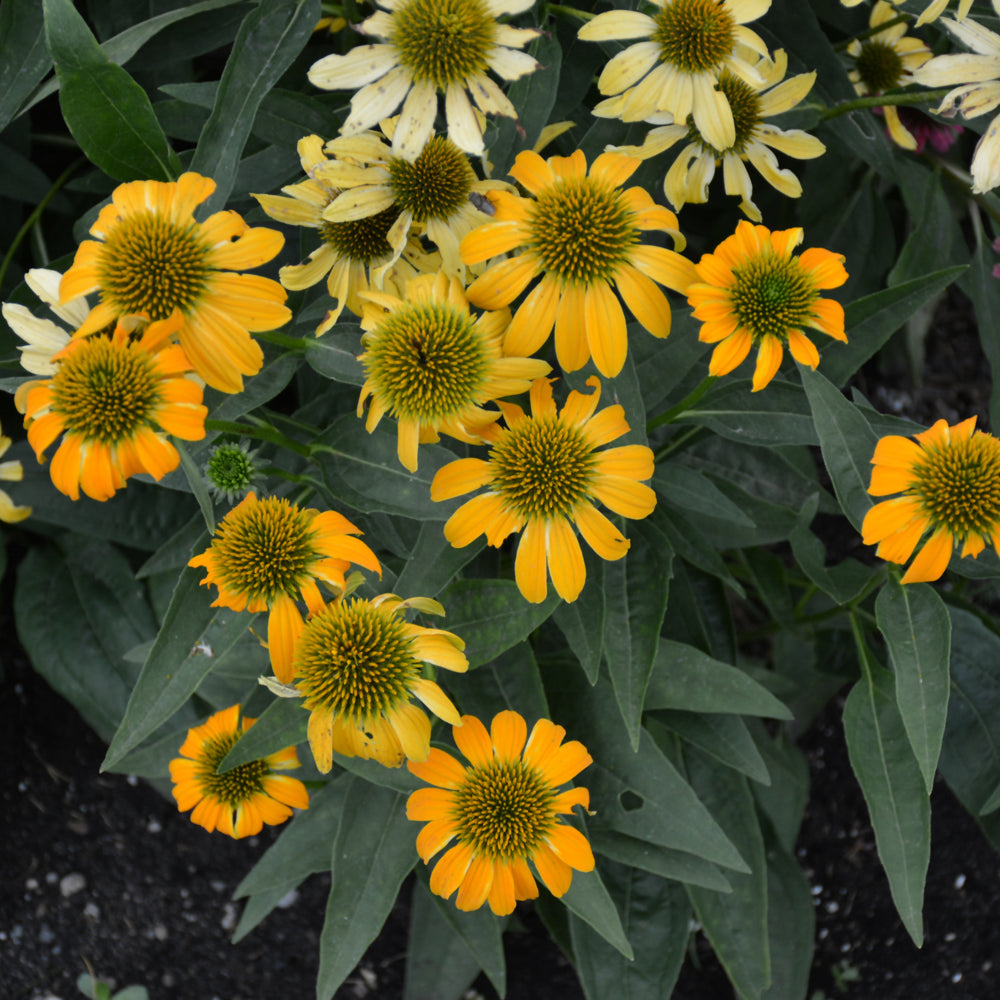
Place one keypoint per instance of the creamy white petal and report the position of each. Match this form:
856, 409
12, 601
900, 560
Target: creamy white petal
511, 64
617, 24
463, 126
736, 179
416, 123
986, 161
360, 66
45, 284
514, 38
792, 142
743, 11
958, 68
975, 36
490, 99
497, 8
767, 163
379, 24
359, 203
377, 100
628, 67
712, 114
786, 95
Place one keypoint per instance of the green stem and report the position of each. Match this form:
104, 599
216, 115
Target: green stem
675, 443
870, 32
30, 221
909, 98
559, 8
686, 403
283, 340
268, 434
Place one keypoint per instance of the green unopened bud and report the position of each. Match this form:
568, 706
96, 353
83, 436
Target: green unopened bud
231, 471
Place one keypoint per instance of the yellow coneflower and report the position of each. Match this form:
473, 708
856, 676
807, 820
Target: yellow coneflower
581, 234
354, 256
692, 171
241, 801
357, 666
685, 47
950, 481
543, 475
114, 399
152, 260
502, 811
432, 364
886, 61
268, 553
931, 12
751, 292
431, 47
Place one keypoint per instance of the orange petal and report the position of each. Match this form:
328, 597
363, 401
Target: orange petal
529, 563
932, 560
508, 731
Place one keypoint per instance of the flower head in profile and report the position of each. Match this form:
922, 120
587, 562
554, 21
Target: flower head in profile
431, 47
581, 234
113, 399
240, 801
751, 292
692, 171
684, 48
433, 195
353, 256
432, 364
886, 61
266, 554
931, 12
978, 75
928, 131
10, 472
949, 478
542, 477
358, 667
152, 259
503, 811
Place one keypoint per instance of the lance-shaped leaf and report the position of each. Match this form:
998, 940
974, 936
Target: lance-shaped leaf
282, 724
636, 590
723, 737
372, 853
871, 321
270, 37
893, 787
24, 59
582, 621
192, 637
511, 681
847, 442
686, 678
655, 915
915, 625
736, 922
107, 112
984, 290
491, 616
588, 899
970, 755
676, 865
791, 924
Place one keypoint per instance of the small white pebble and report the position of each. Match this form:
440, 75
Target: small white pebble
229, 917
816, 890
31, 884
832, 907
153, 826
91, 910
160, 932
845, 947
45, 935
957, 978
950, 936
132, 780
987, 965
823, 933
51, 878
217, 885
71, 884
289, 899
168, 979
959, 881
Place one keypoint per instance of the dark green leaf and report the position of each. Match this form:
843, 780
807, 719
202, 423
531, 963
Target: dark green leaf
107, 112
686, 678
511, 681
270, 37
662, 861
439, 965
894, 790
847, 442
984, 290
791, 924
433, 563
282, 724
198, 486
364, 471
636, 589
192, 636
871, 321
492, 616
77, 616
735, 922
915, 625
684, 487
372, 854
970, 754
784, 800
24, 59
723, 737
335, 355
655, 915
582, 621
588, 899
